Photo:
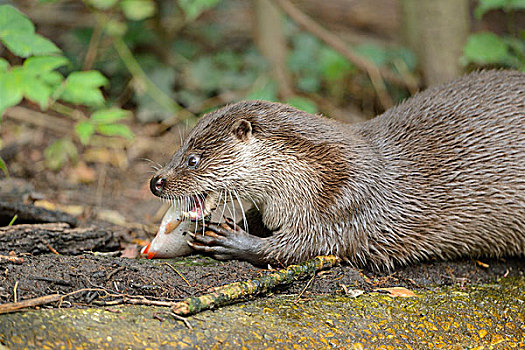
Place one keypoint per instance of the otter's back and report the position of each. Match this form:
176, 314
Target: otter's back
454, 158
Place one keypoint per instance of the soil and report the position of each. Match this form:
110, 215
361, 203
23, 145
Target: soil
109, 182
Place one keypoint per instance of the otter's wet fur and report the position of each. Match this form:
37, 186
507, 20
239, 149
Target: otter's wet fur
442, 175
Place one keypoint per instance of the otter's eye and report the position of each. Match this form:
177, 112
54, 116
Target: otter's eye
193, 160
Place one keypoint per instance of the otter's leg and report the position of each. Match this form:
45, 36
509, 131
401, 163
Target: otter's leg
228, 241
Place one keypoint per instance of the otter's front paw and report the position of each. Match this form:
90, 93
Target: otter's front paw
228, 241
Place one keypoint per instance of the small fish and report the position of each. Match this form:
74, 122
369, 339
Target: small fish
170, 240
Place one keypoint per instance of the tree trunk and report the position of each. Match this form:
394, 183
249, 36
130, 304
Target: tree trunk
437, 31
272, 43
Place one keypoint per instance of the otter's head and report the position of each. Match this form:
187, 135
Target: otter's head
213, 164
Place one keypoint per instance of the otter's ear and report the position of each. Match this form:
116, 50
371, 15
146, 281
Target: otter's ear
242, 129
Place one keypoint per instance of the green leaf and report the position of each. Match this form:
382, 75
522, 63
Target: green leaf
137, 10
102, 4
59, 152
193, 8
13, 21
302, 103
42, 46
52, 79
3, 167
83, 88
488, 5
506, 5
333, 65
37, 91
4, 65
84, 130
116, 28
108, 116
42, 64
485, 48
115, 130
11, 90
516, 4
17, 33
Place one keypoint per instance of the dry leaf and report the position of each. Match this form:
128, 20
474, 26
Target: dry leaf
482, 264
115, 157
82, 174
74, 210
398, 292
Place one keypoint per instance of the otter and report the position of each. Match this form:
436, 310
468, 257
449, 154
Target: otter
440, 176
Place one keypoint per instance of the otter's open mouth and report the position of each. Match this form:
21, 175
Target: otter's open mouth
200, 206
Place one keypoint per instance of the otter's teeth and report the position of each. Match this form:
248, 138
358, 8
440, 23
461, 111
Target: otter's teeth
193, 214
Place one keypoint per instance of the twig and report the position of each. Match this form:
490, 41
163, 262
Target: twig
141, 300
10, 307
337, 44
15, 294
39, 119
120, 268
220, 296
180, 318
123, 299
92, 50
178, 273
73, 113
235, 291
138, 73
305, 288
53, 250
51, 280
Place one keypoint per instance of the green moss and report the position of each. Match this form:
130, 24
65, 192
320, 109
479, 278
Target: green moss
492, 316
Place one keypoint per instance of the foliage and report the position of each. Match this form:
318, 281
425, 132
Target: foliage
39, 81
59, 152
486, 48
17, 33
319, 68
161, 58
193, 8
506, 5
3, 167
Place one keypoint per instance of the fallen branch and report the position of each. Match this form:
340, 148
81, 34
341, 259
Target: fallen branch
40, 119
56, 238
46, 299
28, 213
221, 296
232, 292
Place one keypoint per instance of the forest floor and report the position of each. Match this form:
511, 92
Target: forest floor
108, 189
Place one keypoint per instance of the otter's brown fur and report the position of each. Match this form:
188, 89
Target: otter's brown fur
441, 175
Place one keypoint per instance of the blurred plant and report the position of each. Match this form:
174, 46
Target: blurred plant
319, 68
486, 48
167, 60
38, 81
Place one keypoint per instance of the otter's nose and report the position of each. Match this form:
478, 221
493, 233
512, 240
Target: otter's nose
157, 184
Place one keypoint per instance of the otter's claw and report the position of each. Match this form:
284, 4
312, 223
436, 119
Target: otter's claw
228, 241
